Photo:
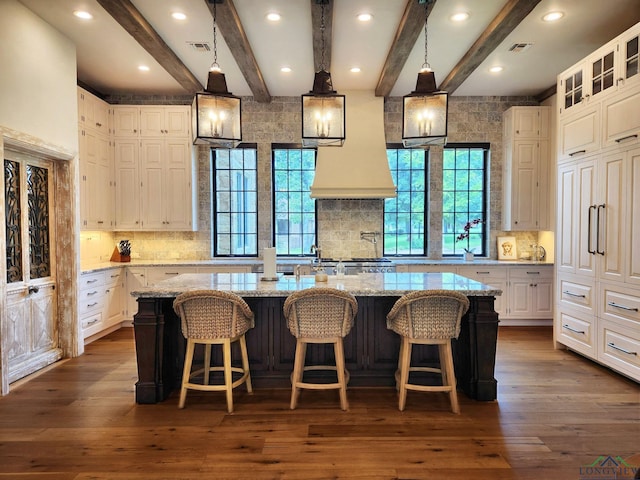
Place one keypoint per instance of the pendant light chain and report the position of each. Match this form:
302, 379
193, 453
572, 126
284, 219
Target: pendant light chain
214, 65
322, 26
425, 65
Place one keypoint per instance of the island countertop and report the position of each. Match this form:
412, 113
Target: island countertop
364, 284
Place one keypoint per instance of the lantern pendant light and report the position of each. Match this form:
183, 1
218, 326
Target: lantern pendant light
323, 110
215, 112
425, 110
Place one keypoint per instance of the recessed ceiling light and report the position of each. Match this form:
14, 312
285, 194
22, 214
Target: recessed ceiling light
553, 16
355, 70
143, 68
83, 15
179, 16
285, 69
365, 17
496, 69
459, 17
273, 17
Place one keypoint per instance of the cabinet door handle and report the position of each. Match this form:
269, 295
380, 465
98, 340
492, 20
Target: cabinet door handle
571, 294
618, 140
589, 232
578, 152
623, 350
33, 289
573, 329
598, 229
623, 307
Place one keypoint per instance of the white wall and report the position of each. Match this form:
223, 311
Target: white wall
37, 77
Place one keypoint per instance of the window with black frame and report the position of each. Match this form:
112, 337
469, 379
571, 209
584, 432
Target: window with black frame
294, 211
405, 217
464, 198
234, 201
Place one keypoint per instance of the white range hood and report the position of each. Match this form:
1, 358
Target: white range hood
358, 169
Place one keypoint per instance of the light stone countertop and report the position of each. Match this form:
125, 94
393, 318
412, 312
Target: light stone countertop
364, 284
288, 261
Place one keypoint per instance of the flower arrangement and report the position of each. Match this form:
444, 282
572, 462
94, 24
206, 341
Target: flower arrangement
469, 225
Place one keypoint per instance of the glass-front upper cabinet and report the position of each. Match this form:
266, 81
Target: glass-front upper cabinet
571, 87
629, 71
601, 66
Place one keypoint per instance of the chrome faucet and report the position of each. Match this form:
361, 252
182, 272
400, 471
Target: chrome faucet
371, 237
317, 262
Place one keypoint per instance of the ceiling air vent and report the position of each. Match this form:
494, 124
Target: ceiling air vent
520, 47
202, 47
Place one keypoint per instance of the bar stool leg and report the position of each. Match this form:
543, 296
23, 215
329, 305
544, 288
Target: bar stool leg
228, 378
298, 369
404, 371
186, 372
451, 376
207, 363
245, 363
339, 354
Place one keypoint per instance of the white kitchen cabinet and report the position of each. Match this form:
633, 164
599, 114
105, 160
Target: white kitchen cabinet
530, 293
100, 302
167, 184
621, 118
126, 121
93, 112
494, 276
579, 133
155, 169
159, 121
628, 71
571, 88
597, 248
127, 189
136, 278
526, 169
97, 208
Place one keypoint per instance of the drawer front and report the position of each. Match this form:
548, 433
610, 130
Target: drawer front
480, 273
90, 299
90, 280
531, 273
620, 349
91, 324
114, 277
621, 307
576, 294
576, 332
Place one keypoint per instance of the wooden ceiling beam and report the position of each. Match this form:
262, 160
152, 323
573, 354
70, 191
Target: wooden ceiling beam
320, 60
411, 24
228, 22
501, 26
130, 18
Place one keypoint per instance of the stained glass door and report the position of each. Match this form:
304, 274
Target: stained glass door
31, 340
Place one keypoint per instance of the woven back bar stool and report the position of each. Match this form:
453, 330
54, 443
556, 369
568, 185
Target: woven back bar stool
320, 315
430, 317
212, 317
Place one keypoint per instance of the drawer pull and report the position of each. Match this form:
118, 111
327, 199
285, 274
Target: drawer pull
623, 350
623, 307
533, 273
91, 293
581, 332
626, 138
482, 273
171, 273
89, 305
95, 320
577, 153
92, 281
115, 276
571, 294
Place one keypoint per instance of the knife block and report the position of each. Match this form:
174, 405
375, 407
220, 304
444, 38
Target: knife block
116, 257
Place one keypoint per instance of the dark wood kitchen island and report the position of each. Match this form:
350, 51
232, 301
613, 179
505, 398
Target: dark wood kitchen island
371, 350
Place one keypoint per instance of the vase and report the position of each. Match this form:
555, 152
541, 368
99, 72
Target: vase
468, 256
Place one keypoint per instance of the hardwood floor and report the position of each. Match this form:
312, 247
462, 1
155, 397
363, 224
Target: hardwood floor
556, 412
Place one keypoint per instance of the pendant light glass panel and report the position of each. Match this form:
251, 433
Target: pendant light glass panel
424, 119
216, 120
323, 119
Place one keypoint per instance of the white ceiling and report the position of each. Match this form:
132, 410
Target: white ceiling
108, 57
